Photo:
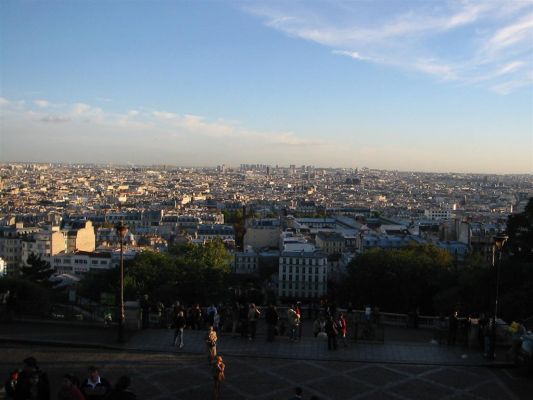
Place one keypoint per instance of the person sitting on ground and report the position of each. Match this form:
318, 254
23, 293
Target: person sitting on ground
95, 387
32, 383
121, 390
69, 389
298, 394
11, 384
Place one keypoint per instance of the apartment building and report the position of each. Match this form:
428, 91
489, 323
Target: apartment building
302, 274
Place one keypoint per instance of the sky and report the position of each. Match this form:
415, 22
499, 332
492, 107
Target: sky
441, 86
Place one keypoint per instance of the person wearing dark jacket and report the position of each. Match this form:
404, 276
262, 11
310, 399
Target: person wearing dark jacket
32, 383
332, 330
95, 387
121, 390
179, 325
271, 318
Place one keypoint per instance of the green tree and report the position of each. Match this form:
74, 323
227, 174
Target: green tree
398, 280
37, 270
520, 231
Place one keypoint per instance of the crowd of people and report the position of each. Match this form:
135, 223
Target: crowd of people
32, 383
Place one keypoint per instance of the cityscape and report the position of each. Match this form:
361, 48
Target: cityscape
268, 200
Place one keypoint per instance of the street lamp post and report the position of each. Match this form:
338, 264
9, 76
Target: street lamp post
122, 230
499, 242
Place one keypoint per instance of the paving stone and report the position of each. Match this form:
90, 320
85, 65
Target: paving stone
339, 387
302, 371
457, 379
491, 391
420, 390
376, 375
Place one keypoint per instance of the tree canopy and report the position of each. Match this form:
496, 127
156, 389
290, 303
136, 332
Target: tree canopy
190, 273
398, 280
37, 271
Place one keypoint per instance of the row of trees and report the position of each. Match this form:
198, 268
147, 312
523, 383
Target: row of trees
427, 278
402, 280
189, 272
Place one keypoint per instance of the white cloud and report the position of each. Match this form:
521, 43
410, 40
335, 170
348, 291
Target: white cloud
519, 31
352, 54
468, 42
56, 119
41, 103
80, 108
510, 67
4, 101
432, 67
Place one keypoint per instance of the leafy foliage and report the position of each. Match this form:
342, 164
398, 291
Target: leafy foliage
189, 272
37, 271
520, 231
398, 280
31, 298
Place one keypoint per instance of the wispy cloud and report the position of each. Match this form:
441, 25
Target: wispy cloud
55, 119
175, 124
42, 103
469, 42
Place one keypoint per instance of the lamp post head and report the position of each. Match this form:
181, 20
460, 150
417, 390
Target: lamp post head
121, 229
499, 241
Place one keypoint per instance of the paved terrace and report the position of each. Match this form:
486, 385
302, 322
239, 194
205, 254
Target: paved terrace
401, 345
406, 367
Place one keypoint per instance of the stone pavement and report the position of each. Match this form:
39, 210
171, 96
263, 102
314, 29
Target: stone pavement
162, 376
311, 348
418, 351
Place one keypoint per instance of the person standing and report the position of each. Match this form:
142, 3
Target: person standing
211, 342
253, 316
179, 326
211, 312
235, 311
452, 328
243, 320
343, 328
271, 318
218, 375
517, 331
294, 322
145, 312
332, 331
299, 313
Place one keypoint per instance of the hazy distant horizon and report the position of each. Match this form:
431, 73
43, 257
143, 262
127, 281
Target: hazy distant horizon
237, 167
417, 86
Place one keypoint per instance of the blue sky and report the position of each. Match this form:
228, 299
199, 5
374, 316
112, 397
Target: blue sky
423, 85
